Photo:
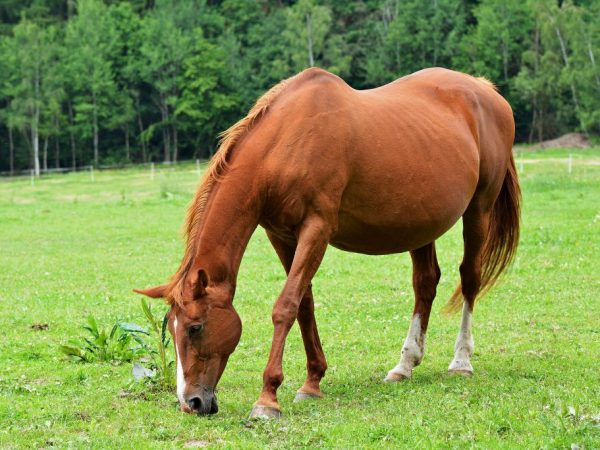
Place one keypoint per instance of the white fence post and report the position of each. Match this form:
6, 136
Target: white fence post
198, 166
92, 173
152, 171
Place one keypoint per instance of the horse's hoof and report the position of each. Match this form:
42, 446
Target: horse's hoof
264, 412
462, 368
305, 396
393, 377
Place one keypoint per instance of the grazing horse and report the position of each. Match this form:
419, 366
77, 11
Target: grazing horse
378, 171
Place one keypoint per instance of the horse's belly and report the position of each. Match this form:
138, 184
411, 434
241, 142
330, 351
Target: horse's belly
397, 218
359, 237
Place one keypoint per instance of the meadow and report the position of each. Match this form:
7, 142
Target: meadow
71, 246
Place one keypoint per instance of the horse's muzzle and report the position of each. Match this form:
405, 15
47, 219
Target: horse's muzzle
203, 404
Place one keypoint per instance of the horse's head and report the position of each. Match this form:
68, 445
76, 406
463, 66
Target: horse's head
205, 329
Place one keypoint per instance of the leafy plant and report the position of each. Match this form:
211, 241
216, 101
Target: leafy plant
160, 370
122, 343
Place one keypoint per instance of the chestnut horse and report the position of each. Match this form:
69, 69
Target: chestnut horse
379, 171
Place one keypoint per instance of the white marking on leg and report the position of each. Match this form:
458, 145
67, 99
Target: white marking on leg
180, 377
412, 352
463, 350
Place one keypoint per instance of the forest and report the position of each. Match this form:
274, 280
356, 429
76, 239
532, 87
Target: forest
100, 83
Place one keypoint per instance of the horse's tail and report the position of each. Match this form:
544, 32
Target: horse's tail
502, 238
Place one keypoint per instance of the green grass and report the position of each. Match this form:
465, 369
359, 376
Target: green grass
70, 247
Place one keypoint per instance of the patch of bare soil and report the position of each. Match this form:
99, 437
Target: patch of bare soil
569, 140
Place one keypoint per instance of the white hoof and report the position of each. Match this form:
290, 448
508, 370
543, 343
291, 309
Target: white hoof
461, 367
397, 375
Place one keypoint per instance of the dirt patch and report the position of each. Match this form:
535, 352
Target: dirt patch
569, 140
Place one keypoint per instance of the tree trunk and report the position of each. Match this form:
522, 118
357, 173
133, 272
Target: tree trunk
593, 61
57, 152
541, 127
164, 110
565, 56
141, 127
35, 138
11, 147
535, 94
72, 138
95, 127
311, 56
70, 8
56, 144
45, 155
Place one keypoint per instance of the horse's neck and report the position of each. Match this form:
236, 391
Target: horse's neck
232, 214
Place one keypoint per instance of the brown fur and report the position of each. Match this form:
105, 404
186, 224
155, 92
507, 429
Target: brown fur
380, 171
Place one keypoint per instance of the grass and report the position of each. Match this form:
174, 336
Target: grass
71, 247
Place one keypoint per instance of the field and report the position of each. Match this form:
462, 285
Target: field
71, 247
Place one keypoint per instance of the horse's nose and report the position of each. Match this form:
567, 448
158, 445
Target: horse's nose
203, 406
195, 404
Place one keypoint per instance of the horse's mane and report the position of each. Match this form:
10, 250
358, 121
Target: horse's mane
215, 171
487, 82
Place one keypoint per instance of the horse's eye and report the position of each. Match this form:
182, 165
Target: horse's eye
194, 330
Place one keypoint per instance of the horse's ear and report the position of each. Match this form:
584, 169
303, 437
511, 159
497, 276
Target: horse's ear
201, 283
153, 292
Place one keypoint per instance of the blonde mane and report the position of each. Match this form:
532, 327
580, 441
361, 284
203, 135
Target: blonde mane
216, 169
487, 82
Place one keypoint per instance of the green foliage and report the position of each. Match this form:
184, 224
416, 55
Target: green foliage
96, 82
122, 343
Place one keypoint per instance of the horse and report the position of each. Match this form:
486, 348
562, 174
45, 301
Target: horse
378, 171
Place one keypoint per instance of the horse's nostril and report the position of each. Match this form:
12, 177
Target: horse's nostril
195, 403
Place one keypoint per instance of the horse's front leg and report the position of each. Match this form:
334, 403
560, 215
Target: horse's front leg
316, 364
312, 242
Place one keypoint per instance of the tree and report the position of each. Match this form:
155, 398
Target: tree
493, 48
306, 29
31, 57
90, 39
413, 35
206, 97
163, 51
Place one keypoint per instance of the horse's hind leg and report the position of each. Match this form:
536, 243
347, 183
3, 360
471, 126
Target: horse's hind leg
316, 364
475, 228
426, 275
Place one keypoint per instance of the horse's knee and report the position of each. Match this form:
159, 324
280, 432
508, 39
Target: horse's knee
283, 316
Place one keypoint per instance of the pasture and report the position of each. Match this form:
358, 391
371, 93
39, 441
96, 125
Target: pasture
71, 247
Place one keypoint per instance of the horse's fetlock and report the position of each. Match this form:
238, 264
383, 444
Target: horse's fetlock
275, 379
317, 368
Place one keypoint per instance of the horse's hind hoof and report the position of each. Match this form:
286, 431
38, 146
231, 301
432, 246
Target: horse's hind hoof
264, 412
300, 396
393, 377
